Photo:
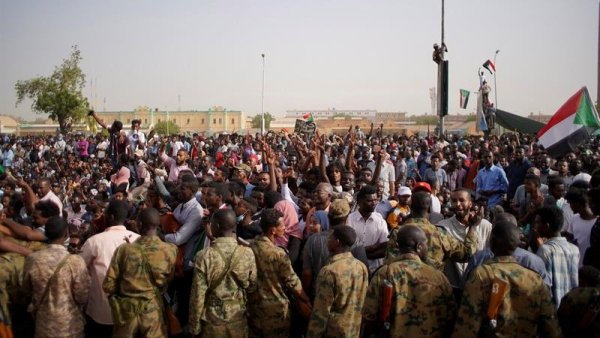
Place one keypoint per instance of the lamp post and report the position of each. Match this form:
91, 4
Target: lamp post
262, 105
495, 85
440, 89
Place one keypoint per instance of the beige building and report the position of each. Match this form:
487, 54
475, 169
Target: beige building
216, 119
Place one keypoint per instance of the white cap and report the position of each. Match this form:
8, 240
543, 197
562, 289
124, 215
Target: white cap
404, 191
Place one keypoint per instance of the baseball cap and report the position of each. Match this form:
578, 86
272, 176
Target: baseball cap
244, 167
422, 186
339, 208
403, 191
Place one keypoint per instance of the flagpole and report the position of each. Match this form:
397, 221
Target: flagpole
262, 127
495, 85
440, 84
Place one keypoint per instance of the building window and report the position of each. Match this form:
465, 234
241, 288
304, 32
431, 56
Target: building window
158, 120
232, 121
220, 120
128, 120
188, 121
214, 121
202, 121
145, 121
174, 121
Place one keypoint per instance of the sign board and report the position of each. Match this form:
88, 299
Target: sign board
303, 127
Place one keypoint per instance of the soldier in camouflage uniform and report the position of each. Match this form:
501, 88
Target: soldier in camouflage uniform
11, 275
526, 310
422, 302
340, 290
223, 275
576, 312
441, 245
137, 275
269, 305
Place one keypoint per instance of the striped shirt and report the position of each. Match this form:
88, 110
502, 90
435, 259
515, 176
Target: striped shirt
562, 260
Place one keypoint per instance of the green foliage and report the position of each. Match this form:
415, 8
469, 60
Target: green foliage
60, 94
166, 128
425, 119
471, 118
257, 121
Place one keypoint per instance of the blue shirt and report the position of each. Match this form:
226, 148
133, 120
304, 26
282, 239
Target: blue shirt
523, 257
562, 263
492, 179
515, 173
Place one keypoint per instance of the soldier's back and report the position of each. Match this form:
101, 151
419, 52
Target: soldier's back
525, 311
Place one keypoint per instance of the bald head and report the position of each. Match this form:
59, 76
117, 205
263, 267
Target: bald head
410, 238
504, 239
505, 217
150, 219
223, 222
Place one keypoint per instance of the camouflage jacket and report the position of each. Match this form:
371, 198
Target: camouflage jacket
128, 279
340, 294
219, 297
423, 303
275, 273
525, 311
441, 245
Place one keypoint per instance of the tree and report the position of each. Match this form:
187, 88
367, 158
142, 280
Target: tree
166, 128
257, 121
60, 94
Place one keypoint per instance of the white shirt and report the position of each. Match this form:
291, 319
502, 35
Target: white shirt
453, 270
581, 230
50, 196
136, 138
436, 206
97, 253
371, 231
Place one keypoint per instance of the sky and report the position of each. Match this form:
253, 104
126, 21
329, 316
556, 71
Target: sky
342, 54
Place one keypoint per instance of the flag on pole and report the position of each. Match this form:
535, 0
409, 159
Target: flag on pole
464, 98
571, 125
489, 65
481, 124
309, 117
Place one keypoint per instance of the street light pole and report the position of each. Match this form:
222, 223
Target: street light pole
440, 91
262, 127
495, 85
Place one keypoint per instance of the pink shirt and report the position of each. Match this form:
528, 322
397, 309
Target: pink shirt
121, 176
97, 253
174, 169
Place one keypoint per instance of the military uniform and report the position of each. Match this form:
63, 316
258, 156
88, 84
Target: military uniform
269, 305
223, 275
341, 288
525, 311
440, 244
130, 284
574, 306
11, 276
423, 304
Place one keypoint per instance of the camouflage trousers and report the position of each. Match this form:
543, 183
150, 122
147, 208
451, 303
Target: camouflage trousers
271, 320
148, 325
238, 329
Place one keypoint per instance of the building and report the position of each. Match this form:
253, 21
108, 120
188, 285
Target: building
214, 120
331, 113
8, 125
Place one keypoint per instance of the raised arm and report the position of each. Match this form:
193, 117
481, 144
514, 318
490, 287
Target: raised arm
100, 122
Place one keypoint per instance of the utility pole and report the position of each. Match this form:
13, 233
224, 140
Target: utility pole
262, 105
440, 92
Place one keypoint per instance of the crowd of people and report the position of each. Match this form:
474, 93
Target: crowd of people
361, 234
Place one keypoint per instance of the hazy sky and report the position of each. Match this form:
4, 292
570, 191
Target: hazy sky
347, 54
